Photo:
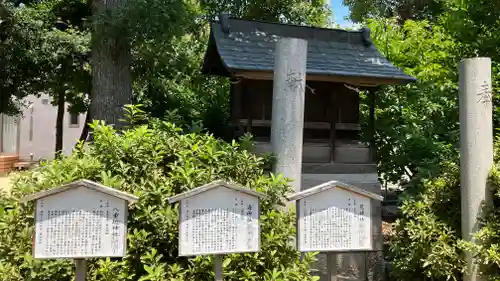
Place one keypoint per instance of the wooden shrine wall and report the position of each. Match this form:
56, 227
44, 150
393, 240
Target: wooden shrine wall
256, 101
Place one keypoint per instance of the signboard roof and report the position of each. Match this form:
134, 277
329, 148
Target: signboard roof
82, 183
333, 184
212, 185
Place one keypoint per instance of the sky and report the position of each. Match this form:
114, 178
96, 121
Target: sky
339, 13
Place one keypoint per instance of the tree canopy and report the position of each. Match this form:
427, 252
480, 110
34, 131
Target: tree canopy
315, 13
167, 40
401, 9
417, 131
417, 124
42, 52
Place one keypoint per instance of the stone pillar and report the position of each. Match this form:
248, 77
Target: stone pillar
80, 269
288, 108
476, 146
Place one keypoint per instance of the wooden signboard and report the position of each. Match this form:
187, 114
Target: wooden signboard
334, 217
80, 220
80, 223
218, 218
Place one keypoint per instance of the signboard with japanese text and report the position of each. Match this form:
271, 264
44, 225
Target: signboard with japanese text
80, 223
334, 219
219, 221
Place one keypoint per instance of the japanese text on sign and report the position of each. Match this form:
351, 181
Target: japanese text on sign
219, 221
334, 220
80, 223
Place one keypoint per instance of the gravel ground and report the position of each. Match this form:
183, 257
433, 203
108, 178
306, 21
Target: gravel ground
4, 183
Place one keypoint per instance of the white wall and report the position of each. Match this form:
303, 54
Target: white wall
43, 140
8, 134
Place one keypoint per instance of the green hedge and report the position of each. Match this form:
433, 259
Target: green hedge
153, 161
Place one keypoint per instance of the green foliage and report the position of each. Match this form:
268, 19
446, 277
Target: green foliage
42, 54
417, 124
168, 82
145, 20
425, 245
168, 40
428, 241
66, 70
315, 13
403, 9
153, 161
417, 136
475, 23
167, 64
417, 130
20, 41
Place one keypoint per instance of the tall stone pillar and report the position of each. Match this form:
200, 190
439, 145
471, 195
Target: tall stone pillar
476, 147
287, 126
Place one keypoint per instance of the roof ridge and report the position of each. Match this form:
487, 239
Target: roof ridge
248, 45
291, 25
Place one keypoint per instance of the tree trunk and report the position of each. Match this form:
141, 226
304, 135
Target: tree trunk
111, 72
61, 103
85, 130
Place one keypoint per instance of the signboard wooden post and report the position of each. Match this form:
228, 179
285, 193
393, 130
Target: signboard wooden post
80, 220
218, 218
334, 217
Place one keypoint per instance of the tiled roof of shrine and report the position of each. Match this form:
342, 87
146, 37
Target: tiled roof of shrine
242, 45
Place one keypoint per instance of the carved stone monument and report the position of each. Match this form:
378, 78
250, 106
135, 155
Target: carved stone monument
476, 149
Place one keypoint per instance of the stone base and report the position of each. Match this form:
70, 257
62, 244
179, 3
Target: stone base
359, 266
